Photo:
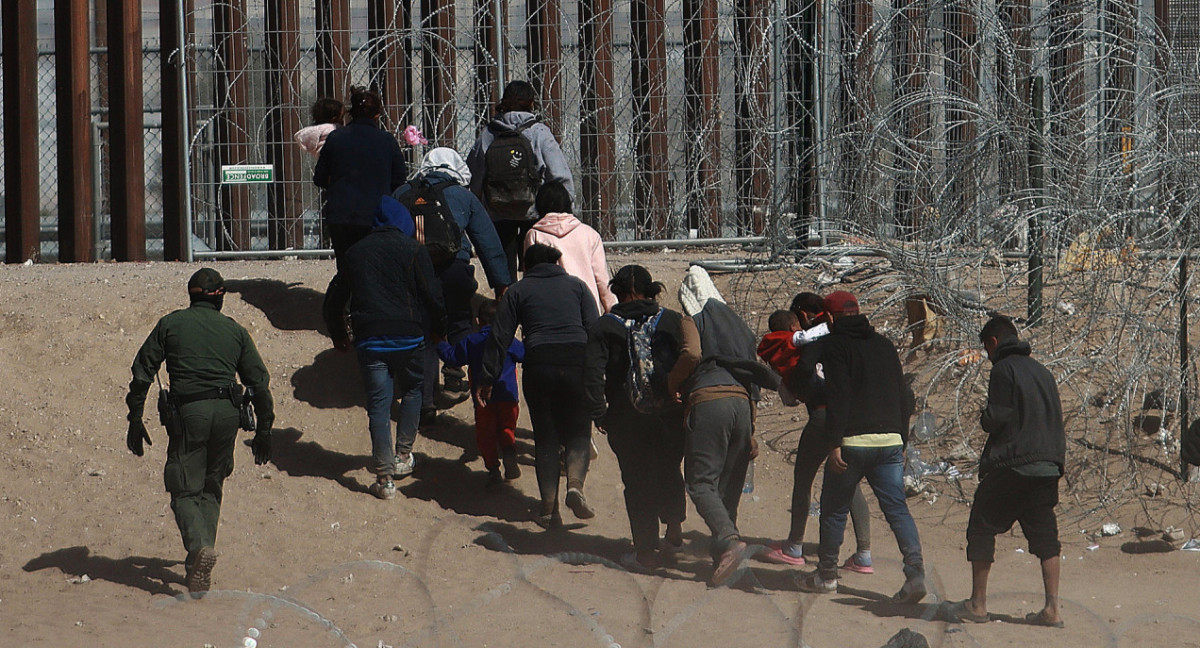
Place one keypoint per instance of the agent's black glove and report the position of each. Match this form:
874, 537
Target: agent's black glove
261, 446
136, 435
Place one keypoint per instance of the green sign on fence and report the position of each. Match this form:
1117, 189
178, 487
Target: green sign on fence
247, 173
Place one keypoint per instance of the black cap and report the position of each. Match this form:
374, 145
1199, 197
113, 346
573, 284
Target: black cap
206, 280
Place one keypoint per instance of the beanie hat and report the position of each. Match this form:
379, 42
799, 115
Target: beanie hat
840, 302
206, 280
695, 291
392, 213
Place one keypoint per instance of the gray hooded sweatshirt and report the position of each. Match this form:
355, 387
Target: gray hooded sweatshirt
551, 161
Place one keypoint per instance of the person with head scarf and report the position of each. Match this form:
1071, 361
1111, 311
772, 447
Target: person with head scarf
720, 401
206, 352
444, 169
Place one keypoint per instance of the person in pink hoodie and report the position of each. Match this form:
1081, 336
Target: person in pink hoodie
327, 115
581, 247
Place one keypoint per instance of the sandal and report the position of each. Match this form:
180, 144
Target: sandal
777, 555
958, 612
1036, 618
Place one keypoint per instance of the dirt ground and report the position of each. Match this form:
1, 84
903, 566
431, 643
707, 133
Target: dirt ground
89, 553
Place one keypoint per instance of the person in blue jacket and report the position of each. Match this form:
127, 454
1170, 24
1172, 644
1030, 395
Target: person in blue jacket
458, 278
496, 420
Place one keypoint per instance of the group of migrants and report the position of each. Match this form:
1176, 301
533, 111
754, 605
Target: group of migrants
674, 393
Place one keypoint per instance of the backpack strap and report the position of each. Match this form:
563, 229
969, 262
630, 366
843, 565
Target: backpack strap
529, 122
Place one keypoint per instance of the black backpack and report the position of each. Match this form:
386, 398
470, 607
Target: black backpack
435, 226
512, 176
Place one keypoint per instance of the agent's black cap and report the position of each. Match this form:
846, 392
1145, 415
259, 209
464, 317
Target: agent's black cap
206, 280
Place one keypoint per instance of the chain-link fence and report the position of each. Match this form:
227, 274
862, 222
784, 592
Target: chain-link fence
677, 118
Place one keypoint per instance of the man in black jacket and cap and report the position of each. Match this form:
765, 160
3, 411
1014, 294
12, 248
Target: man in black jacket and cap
1019, 470
869, 404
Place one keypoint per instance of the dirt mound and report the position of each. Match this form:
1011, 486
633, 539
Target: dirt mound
89, 554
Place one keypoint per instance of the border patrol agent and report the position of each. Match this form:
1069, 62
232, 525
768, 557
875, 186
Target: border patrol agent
203, 350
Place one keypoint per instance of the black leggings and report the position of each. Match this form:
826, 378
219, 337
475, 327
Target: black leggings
554, 394
649, 451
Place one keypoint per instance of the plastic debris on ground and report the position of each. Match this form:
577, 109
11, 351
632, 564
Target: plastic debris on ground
1190, 545
1110, 529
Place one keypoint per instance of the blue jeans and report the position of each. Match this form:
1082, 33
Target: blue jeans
884, 470
384, 376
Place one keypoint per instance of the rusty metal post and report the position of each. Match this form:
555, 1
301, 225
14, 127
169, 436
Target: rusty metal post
174, 137
488, 57
22, 230
701, 54
803, 107
751, 98
333, 48
127, 189
286, 200
73, 96
651, 190
597, 141
545, 59
438, 69
386, 20
232, 137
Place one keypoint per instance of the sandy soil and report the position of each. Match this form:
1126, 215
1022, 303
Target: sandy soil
89, 554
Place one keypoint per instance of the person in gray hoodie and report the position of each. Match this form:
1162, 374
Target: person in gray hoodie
515, 112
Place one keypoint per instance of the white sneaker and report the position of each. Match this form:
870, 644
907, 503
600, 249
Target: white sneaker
814, 583
383, 490
404, 464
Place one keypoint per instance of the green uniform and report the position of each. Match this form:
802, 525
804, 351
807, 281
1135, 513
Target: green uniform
203, 350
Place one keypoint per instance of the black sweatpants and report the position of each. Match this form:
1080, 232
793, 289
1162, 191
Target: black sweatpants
554, 394
649, 451
1005, 497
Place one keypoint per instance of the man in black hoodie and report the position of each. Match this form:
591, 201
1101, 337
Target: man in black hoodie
867, 415
1019, 469
395, 303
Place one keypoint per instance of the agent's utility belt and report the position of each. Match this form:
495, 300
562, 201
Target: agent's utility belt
232, 393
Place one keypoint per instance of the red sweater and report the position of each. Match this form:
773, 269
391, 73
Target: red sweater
776, 350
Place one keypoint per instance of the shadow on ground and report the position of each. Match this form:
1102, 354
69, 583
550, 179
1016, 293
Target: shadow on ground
332, 381
570, 546
152, 575
461, 434
310, 459
451, 484
288, 306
